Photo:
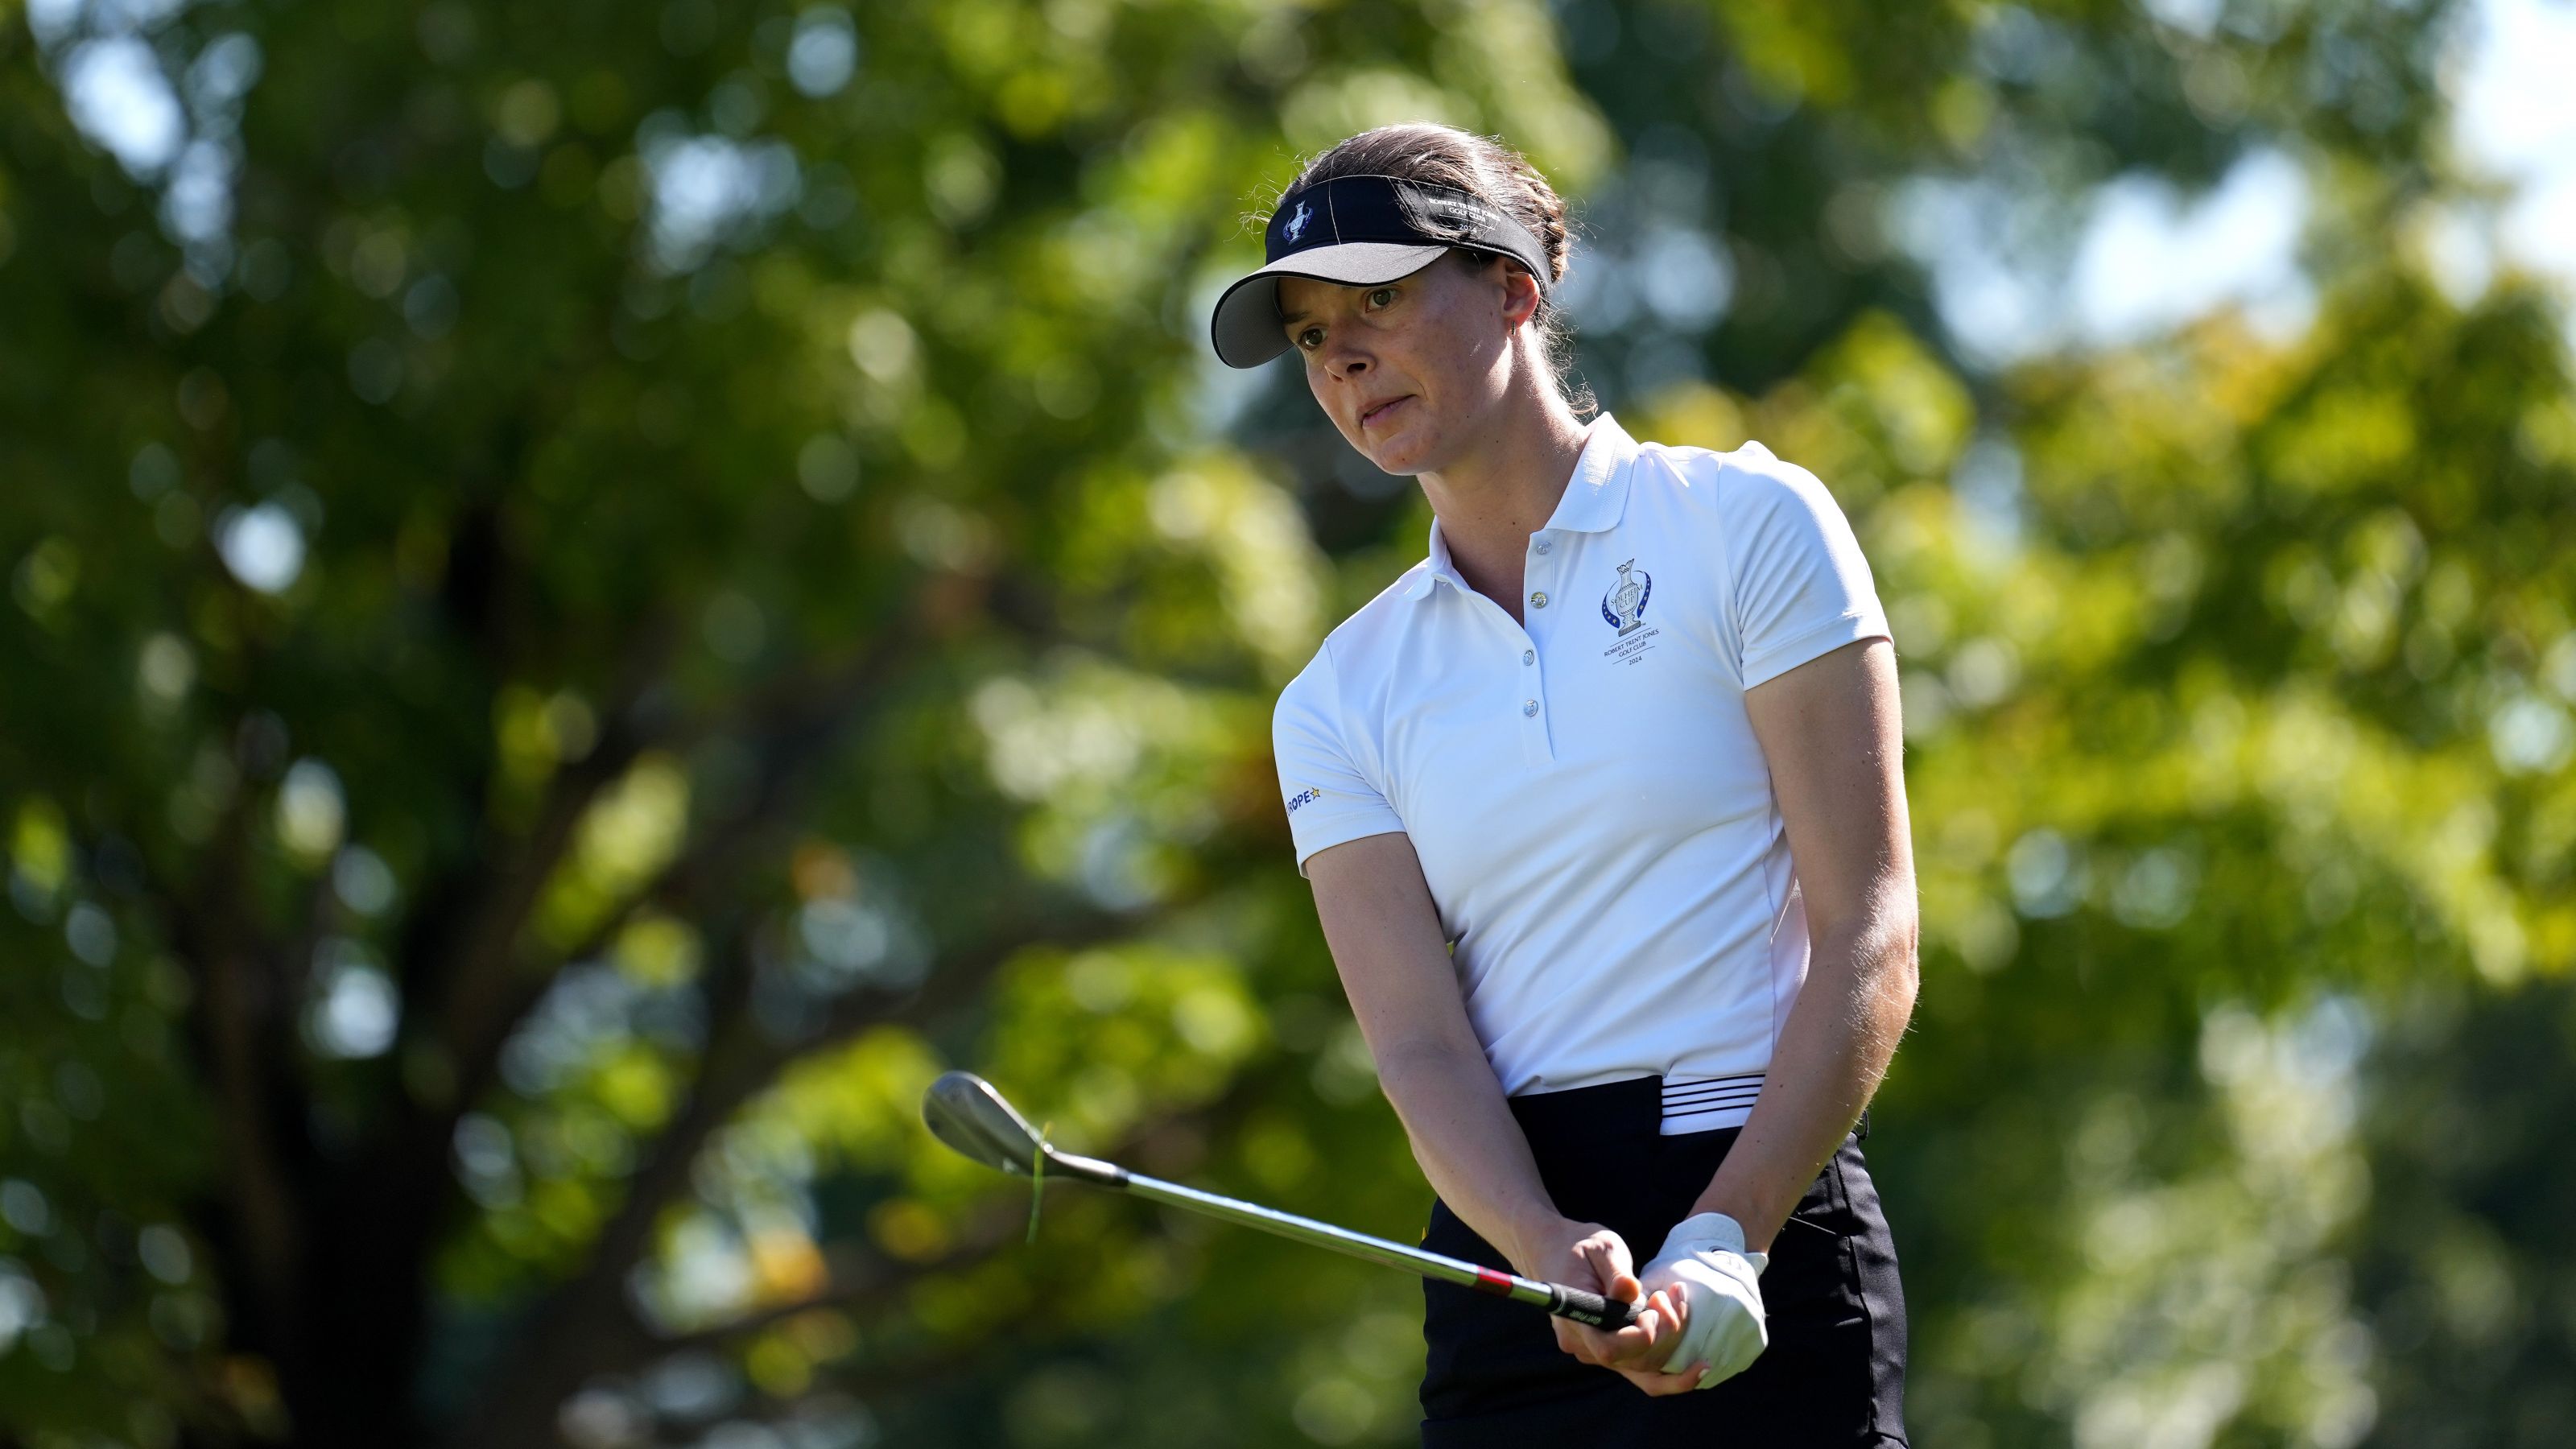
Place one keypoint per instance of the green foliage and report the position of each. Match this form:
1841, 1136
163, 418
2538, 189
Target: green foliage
538, 717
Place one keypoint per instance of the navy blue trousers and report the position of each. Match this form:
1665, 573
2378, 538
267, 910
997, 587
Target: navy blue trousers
1833, 1376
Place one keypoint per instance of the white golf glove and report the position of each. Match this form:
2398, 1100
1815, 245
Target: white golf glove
1703, 1261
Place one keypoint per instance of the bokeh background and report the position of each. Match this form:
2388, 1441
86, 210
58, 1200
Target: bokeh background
596, 591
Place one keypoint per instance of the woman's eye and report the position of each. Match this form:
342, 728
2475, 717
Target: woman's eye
1386, 292
1306, 339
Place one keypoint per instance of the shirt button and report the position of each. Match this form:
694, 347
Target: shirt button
1544, 545
1539, 600
1529, 708
1529, 656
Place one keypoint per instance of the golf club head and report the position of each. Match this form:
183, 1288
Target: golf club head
962, 1110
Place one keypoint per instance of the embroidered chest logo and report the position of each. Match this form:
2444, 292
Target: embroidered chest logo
1297, 222
1624, 606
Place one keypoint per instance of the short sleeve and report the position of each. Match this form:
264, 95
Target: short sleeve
1802, 588
1329, 800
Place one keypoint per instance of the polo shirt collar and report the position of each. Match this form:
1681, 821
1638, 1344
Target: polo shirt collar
1594, 499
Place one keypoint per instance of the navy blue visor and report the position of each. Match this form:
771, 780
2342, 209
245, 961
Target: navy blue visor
1360, 231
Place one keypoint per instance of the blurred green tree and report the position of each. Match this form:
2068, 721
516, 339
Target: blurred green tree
584, 581
2466, 1266
598, 595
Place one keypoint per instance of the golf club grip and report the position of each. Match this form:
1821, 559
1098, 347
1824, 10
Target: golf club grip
1607, 1314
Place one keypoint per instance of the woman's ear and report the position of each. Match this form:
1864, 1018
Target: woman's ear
1520, 294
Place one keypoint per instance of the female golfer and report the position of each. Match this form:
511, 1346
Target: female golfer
1604, 813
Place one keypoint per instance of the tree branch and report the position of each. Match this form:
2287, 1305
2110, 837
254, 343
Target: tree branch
588, 1321
795, 730
473, 980
862, 1276
236, 1002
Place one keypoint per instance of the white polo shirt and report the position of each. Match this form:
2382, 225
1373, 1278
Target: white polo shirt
1590, 806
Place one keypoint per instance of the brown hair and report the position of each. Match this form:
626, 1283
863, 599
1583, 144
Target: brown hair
1447, 156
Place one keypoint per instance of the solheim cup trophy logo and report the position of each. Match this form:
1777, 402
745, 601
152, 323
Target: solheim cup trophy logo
1625, 605
1297, 223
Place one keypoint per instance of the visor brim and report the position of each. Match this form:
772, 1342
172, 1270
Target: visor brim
1246, 327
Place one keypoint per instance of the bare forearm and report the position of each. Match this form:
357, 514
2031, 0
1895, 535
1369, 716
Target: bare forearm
1470, 1146
1835, 1047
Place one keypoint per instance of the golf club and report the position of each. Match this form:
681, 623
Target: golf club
963, 1111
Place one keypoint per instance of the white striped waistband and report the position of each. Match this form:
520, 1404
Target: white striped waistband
1703, 1104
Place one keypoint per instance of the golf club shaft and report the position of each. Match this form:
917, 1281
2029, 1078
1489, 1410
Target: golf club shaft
962, 1110
1564, 1302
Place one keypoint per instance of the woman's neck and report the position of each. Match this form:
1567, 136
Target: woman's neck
1502, 489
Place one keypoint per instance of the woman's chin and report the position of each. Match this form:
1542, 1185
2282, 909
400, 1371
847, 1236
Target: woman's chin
1400, 452
1394, 463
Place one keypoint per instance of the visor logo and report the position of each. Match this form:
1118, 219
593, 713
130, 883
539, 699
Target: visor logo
1297, 223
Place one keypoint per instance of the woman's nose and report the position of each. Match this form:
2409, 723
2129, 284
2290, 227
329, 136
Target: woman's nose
1340, 355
